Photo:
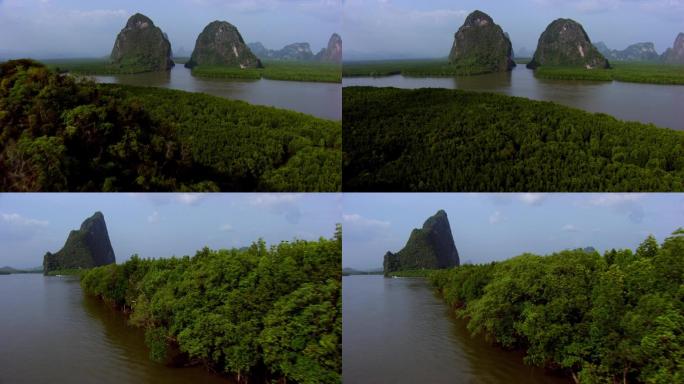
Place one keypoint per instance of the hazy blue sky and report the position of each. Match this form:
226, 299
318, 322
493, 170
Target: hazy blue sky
426, 28
45, 28
160, 225
490, 227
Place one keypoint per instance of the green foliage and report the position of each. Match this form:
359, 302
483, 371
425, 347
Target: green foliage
238, 311
454, 140
97, 67
597, 319
60, 134
632, 72
276, 70
412, 68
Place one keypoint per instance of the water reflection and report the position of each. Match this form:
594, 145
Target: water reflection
318, 99
647, 103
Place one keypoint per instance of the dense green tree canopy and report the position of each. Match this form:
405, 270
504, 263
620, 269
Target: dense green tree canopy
600, 319
454, 140
61, 134
261, 311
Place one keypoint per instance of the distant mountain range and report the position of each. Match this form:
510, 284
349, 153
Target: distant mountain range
301, 51
645, 52
6, 270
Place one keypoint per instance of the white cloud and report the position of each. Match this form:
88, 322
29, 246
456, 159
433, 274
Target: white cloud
273, 199
569, 228
621, 203
383, 27
356, 219
17, 219
495, 218
226, 228
279, 203
596, 6
153, 218
190, 198
614, 199
531, 198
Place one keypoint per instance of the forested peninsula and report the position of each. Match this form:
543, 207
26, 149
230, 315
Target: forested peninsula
598, 319
257, 314
455, 140
59, 133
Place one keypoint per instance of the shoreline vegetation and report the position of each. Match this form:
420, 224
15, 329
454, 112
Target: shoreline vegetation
409, 68
258, 312
273, 70
632, 72
67, 272
277, 70
58, 134
612, 318
456, 140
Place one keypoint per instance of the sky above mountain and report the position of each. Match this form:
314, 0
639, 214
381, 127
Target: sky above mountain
489, 227
161, 225
85, 28
408, 28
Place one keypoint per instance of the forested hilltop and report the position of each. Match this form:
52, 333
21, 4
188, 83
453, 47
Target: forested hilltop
58, 133
599, 319
260, 313
454, 140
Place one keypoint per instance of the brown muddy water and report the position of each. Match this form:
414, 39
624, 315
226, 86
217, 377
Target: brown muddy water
51, 333
400, 331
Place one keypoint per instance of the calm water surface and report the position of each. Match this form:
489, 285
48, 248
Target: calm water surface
662, 105
51, 333
399, 331
319, 99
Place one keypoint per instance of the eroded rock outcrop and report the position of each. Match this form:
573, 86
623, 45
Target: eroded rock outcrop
220, 43
635, 52
480, 43
675, 55
565, 43
142, 46
87, 247
430, 247
333, 53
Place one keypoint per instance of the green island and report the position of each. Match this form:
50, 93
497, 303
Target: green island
631, 72
309, 71
60, 133
455, 140
277, 70
598, 319
272, 313
409, 68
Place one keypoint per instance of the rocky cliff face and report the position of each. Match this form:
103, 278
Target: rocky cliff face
291, 52
675, 55
635, 52
483, 44
85, 248
142, 45
565, 43
333, 53
220, 43
430, 247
